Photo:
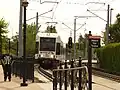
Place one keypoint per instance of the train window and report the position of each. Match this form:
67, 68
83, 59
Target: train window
36, 47
47, 44
58, 49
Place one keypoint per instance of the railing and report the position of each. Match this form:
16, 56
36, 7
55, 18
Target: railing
73, 77
17, 68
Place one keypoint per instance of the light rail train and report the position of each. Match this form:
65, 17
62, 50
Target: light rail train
49, 48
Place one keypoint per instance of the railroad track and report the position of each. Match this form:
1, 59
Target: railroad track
103, 73
44, 73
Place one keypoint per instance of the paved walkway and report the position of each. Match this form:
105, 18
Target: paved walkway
42, 83
104, 84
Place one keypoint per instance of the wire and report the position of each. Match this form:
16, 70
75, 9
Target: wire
55, 8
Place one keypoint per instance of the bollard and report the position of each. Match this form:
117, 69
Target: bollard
80, 75
60, 72
72, 76
54, 80
65, 75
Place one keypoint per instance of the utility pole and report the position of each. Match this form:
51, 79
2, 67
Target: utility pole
74, 38
70, 33
111, 16
20, 31
107, 28
36, 22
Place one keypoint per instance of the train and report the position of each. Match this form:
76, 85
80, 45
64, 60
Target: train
49, 50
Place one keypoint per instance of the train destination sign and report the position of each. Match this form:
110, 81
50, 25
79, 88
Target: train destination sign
95, 41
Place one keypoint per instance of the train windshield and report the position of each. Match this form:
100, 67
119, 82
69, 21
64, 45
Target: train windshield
47, 44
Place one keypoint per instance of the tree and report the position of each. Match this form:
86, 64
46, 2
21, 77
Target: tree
114, 31
14, 45
30, 39
81, 45
51, 29
3, 31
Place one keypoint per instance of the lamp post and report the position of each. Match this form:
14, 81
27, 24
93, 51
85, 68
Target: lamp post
24, 4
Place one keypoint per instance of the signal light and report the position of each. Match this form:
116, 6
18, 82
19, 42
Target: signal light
70, 42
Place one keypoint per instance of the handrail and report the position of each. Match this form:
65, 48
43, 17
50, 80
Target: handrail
70, 69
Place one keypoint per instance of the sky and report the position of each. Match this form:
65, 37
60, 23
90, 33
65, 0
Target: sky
63, 12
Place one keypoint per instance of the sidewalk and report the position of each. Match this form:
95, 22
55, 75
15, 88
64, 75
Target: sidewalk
41, 84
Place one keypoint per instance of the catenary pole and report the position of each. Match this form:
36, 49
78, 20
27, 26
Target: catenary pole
74, 38
20, 32
107, 28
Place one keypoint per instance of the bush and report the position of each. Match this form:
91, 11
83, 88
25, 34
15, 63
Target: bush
109, 57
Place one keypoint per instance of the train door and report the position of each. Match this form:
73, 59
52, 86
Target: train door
58, 49
37, 48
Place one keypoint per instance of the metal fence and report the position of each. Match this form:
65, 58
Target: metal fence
18, 68
74, 78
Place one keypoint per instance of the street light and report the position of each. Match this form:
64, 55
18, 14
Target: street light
24, 4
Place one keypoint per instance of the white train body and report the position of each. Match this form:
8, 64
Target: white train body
49, 46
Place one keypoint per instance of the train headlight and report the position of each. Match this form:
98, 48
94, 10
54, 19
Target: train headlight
36, 56
41, 55
52, 56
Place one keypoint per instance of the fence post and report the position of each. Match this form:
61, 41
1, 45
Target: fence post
32, 71
65, 75
54, 80
20, 69
72, 76
60, 83
13, 72
80, 75
15, 69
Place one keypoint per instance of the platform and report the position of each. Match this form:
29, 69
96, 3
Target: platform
41, 83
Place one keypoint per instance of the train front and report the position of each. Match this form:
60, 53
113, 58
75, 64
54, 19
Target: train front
47, 52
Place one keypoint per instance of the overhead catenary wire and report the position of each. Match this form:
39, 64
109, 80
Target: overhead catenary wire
40, 15
55, 7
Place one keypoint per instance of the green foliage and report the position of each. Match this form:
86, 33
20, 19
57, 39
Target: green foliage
51, 29
30, 39
13, 45
3, 26
109, 57
3, 31
81, 45
114, 31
